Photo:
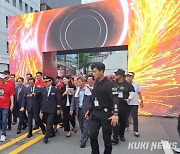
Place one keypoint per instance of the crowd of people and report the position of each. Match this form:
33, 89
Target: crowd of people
94, 100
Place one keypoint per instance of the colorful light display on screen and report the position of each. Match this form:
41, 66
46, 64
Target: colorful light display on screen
150, 28
154, 53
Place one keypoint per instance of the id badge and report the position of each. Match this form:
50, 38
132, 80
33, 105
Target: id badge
96, 103
120, 95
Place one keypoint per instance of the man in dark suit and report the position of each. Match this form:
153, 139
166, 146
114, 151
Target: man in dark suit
50, 106
32, 102
19, 94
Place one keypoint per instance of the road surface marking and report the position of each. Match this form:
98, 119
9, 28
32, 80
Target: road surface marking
13, 141
167, 147
28, 144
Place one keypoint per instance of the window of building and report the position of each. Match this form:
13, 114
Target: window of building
14, 3
6, 21
20, 4
7, 1
26, 8
31, 9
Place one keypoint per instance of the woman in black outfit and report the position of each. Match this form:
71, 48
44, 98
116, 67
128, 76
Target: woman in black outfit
66, 98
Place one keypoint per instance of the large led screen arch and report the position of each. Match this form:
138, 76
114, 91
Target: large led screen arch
77, 27
150, 28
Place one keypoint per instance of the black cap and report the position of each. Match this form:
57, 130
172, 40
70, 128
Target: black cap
120, 72
7, 72
47, 78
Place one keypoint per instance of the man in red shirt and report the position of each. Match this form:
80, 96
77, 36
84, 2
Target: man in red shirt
11, 82
39, 80
39, 83
6, 101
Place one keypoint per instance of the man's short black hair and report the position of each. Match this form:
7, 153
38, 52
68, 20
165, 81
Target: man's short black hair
21, 78
13, 75
100, 66
39, 73
32, 78
29, 74
90, 76
7, 72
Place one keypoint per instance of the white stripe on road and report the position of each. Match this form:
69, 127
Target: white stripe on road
167, 147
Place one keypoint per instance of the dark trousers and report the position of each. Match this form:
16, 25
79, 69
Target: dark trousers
83, 124
49, 119
67, 119
15, 112
34, 115
123, 116
98, 119
134, 113
22, 120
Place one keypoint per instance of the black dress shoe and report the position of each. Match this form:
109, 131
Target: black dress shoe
83, 145
13, 123
46, 140
115, 141
18, 132
29, 135
24, 127
122, 138
36, 127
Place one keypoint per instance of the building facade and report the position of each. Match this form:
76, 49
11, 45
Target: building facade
48, 4
12, 8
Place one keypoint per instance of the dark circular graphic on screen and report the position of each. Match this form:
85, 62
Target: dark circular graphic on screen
83, 28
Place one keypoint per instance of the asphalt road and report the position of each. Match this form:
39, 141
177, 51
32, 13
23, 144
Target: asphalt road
152, 129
